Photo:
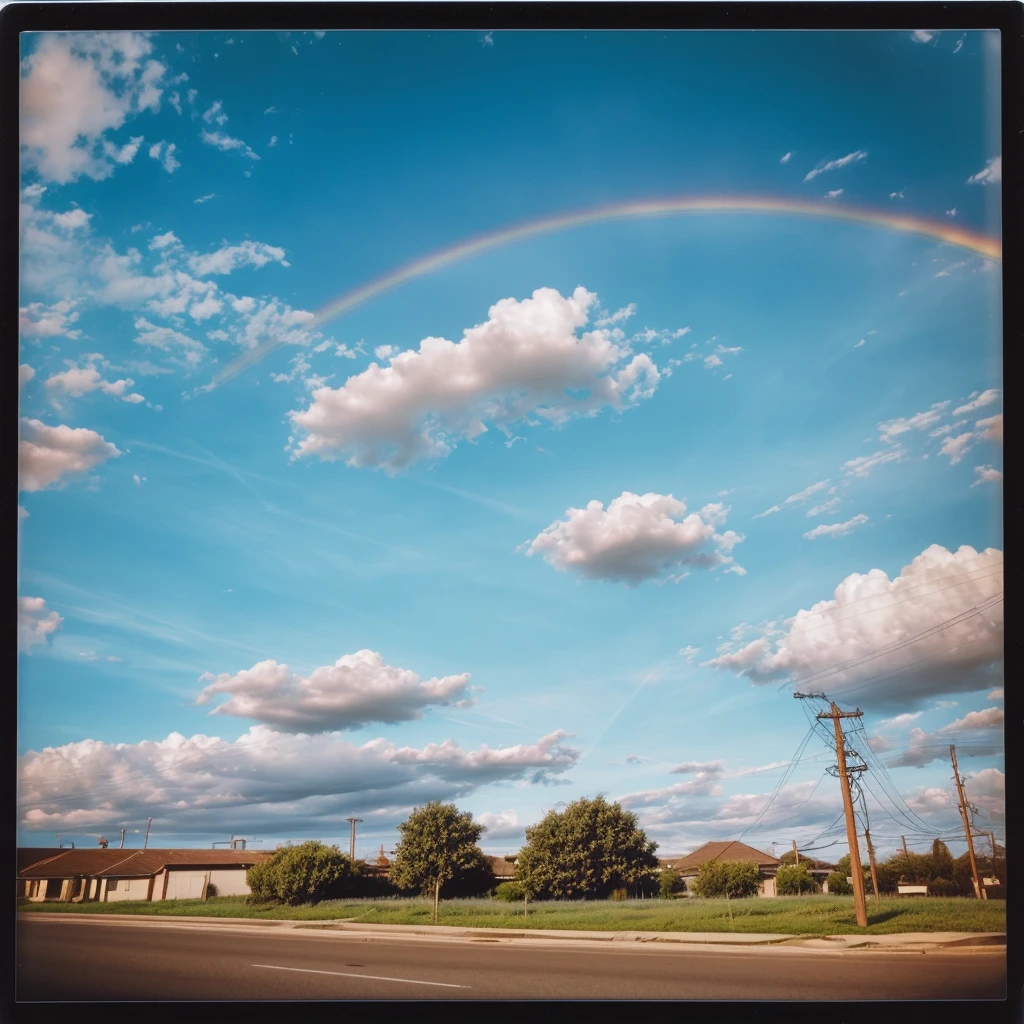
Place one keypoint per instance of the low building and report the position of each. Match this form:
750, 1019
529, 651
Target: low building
732, 852
503, 868
76, 876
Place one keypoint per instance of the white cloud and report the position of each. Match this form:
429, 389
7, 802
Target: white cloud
168, 161
900, 720
957, 447
74, 218
206, 308
689, 652
45, 454
711, 361
163, 241
215, 113
836, 529
896, 195
608, 319
635, 539
996, 694
227, 143
207, 198
264, 780
138, 479
385, 351
987, 789
959, 46
504, 825
273, 141
168, 340
356, 690
987, 475
951, 213
25, 374
892, 642
231, 257
990, 174
969, 733
825, 508
834, 194
920, 35
526, 363
768, 512
991, 428
78, 380
919, 421
987, 397
37, 320
77, 88
794, 499
864, 464
36, 624
834, 165
22, 512
786, 158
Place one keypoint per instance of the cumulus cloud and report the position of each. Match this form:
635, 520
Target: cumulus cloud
919, 421
987, 475
36, 623
977, 401
526, 363
957, 447
834, 165
990, 174
78, 380
637, 538
264, 779
39, 320
836, 529
164, 152
25, 374
75, 90
166, 339
991, 428
231, 257
356, 690
987, 790
47, 454
931, 630
503, 825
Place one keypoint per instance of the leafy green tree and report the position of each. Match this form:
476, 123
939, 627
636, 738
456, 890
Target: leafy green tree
942, 861
586, 851
670, 883
476, 879
437, 845
734, 880
793, 880
838, 885
306, 873
510, 892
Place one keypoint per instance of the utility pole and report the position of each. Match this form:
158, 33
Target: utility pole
907, 855
60, 845
145, 844
871, 861
851, 825
992, 840
796, 855
352, 840
967, 824
123, 831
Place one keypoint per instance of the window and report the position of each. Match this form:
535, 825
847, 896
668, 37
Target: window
112, 885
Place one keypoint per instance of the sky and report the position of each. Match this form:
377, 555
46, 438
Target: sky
574, 514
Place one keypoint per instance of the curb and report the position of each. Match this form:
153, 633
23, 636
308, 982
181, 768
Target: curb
915, 942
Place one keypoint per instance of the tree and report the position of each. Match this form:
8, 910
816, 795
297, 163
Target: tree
942, 861
475, 879
510, 892
587, 851
307, 873
670, 883
795, 881
733, 880
438, 845
838, 885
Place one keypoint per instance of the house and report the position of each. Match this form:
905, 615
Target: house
503, 868
76, 876
731, 852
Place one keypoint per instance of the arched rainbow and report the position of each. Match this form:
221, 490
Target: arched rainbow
981, 245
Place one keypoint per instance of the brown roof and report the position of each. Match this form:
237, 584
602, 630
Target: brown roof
133, 863
502, 867
729, 853
34, 854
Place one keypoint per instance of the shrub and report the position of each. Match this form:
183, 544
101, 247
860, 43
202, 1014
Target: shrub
736, 880
942, 887
838, 885
669, 883
794, 881
510, 892
211, 890
618, 895
307, 873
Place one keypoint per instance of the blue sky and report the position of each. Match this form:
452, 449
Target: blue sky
658, 470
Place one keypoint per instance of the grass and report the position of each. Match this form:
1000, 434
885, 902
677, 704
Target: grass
791, 915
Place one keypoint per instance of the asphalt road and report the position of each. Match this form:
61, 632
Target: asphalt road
72, 960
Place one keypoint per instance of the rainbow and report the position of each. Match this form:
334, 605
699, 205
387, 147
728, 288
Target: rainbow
981, 245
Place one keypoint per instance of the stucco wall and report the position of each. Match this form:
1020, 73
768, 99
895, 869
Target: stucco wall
128, 889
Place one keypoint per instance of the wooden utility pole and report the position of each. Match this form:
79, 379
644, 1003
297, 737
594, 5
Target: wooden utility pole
992, 840
907, 855
145, 844
796, 855
123, 831
851, 825
967, 823
871, 861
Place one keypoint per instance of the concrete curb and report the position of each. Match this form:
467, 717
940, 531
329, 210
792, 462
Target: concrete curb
909, 942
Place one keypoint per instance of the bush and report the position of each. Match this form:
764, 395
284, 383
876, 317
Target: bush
510, 892
733, 880
669, 883
618, 895
307, 873
795, 881
942, 887
838, 885
211, 890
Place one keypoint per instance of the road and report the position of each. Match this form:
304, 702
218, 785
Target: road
67, 959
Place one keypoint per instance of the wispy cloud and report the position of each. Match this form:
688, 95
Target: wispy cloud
835, 165
990, 174
836, 529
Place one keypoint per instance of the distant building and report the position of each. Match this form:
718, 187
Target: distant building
732, 852
104, 875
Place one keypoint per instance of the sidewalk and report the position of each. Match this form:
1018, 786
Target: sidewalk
909, 941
